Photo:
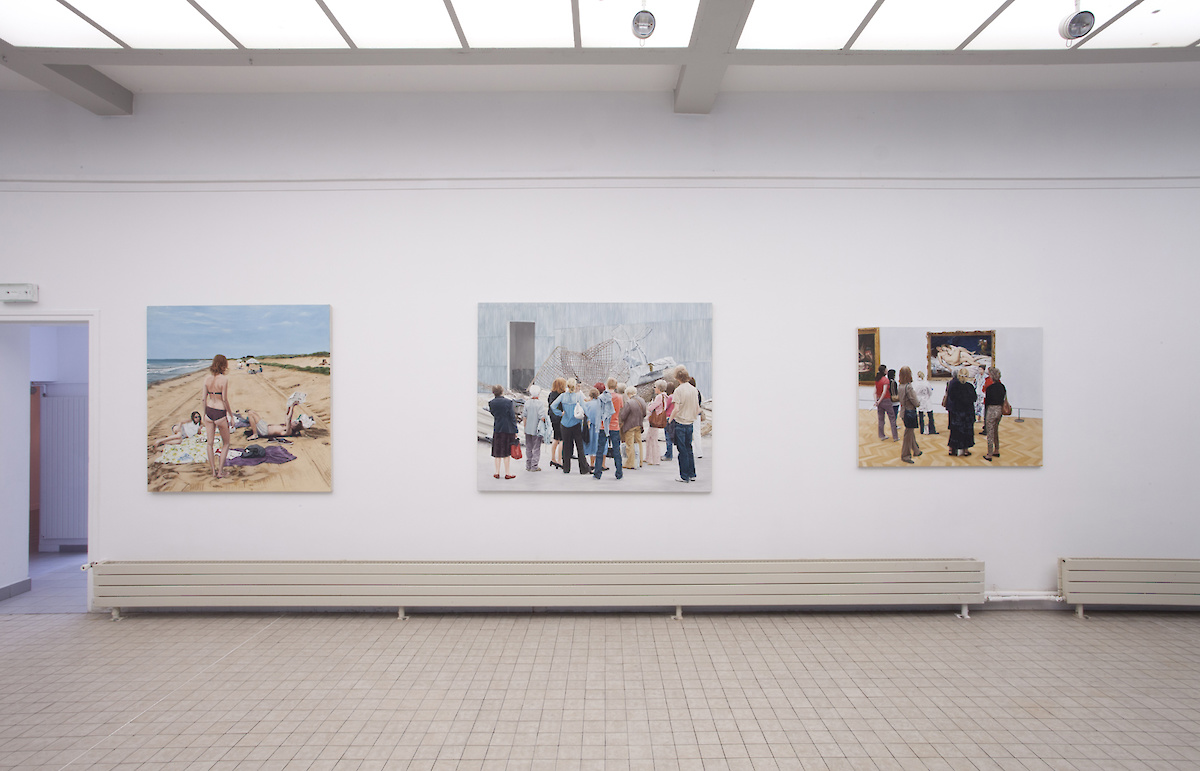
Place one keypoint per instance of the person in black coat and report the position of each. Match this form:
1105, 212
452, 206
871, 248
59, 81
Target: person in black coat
960, 404
504, 430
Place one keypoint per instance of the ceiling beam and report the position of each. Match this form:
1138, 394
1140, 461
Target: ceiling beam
718, 26
84, 85
106, 57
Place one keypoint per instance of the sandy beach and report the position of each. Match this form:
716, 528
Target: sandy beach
171, 401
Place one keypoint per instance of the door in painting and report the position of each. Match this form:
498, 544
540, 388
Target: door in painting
521, 366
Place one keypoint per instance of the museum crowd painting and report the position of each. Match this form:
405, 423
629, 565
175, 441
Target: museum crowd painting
949, 397
238, 398
596, 397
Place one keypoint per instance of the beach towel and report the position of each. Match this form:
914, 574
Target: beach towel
194, 450
273, 454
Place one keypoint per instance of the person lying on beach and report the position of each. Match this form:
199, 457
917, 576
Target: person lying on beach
180, 431
260, 429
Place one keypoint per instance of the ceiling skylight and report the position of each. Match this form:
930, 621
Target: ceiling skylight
1033, 24
396, 23
275, 23
909, 25
1153, 24
803, 24
516, 23
154, 23
608, 23
47, 23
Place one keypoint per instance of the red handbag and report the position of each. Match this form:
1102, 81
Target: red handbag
515, 450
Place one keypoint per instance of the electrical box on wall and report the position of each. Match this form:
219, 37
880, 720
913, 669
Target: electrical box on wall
18, 293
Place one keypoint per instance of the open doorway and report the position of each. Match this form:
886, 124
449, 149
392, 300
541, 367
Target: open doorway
521, 363
46, 526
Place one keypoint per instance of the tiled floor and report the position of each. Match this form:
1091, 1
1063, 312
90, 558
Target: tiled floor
58, 585
360, 692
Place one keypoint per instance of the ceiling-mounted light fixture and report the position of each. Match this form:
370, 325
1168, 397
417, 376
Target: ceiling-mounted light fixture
643, 24
1077, 25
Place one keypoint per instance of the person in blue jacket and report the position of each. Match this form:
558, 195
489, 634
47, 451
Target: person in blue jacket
572, 427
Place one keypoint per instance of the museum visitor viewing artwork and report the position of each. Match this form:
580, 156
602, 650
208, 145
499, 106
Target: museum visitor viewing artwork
945, 397
237, 398
594, 397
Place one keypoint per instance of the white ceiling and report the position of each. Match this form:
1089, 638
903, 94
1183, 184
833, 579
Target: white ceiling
99, 53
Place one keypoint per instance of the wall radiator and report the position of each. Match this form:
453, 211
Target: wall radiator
1094, 581
749, 583
64, 451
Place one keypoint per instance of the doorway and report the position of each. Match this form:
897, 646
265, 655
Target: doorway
521, 364
46, 527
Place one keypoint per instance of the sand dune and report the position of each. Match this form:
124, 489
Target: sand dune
171, 401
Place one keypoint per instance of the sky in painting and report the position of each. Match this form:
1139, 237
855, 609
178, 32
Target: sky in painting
202, 331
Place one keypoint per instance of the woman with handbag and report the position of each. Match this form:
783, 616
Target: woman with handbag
995, 405
504, 430
658, 421
569, 407
909, 403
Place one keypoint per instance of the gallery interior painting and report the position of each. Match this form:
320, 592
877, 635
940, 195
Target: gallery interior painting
800, 217
935, 357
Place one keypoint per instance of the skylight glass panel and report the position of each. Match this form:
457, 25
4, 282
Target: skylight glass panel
924, 25
1033, 24
517, 23
154, 23
819, 25
1153, 24
275, 23
609, 23
47, 24
396, 23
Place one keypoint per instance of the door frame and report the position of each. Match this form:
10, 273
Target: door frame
92, 319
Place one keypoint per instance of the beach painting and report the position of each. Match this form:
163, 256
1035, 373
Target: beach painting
622, 361
273, 398
967, 407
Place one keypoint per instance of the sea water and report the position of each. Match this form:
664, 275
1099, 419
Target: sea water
165, 369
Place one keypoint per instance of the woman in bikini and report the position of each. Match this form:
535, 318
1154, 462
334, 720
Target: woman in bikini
214, 400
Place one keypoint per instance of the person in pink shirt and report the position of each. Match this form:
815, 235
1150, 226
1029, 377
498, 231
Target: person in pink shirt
659, 410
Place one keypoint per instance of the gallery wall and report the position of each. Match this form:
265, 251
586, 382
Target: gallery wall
1019, 358
800, 217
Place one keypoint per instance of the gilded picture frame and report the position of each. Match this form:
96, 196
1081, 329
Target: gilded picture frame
868, 354
947, 351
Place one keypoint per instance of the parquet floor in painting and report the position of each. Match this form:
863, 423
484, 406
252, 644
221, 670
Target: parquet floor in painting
1020, 445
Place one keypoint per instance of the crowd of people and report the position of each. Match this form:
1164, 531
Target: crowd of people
590, 426
972, 394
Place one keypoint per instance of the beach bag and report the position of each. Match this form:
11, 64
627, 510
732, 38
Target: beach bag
515, 450
910, 418
1007, 409
254, 451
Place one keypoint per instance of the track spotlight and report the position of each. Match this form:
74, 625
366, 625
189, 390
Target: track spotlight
643, 25
1077, 24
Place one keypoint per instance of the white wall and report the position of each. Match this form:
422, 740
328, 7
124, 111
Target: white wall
810, 215
14, 454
